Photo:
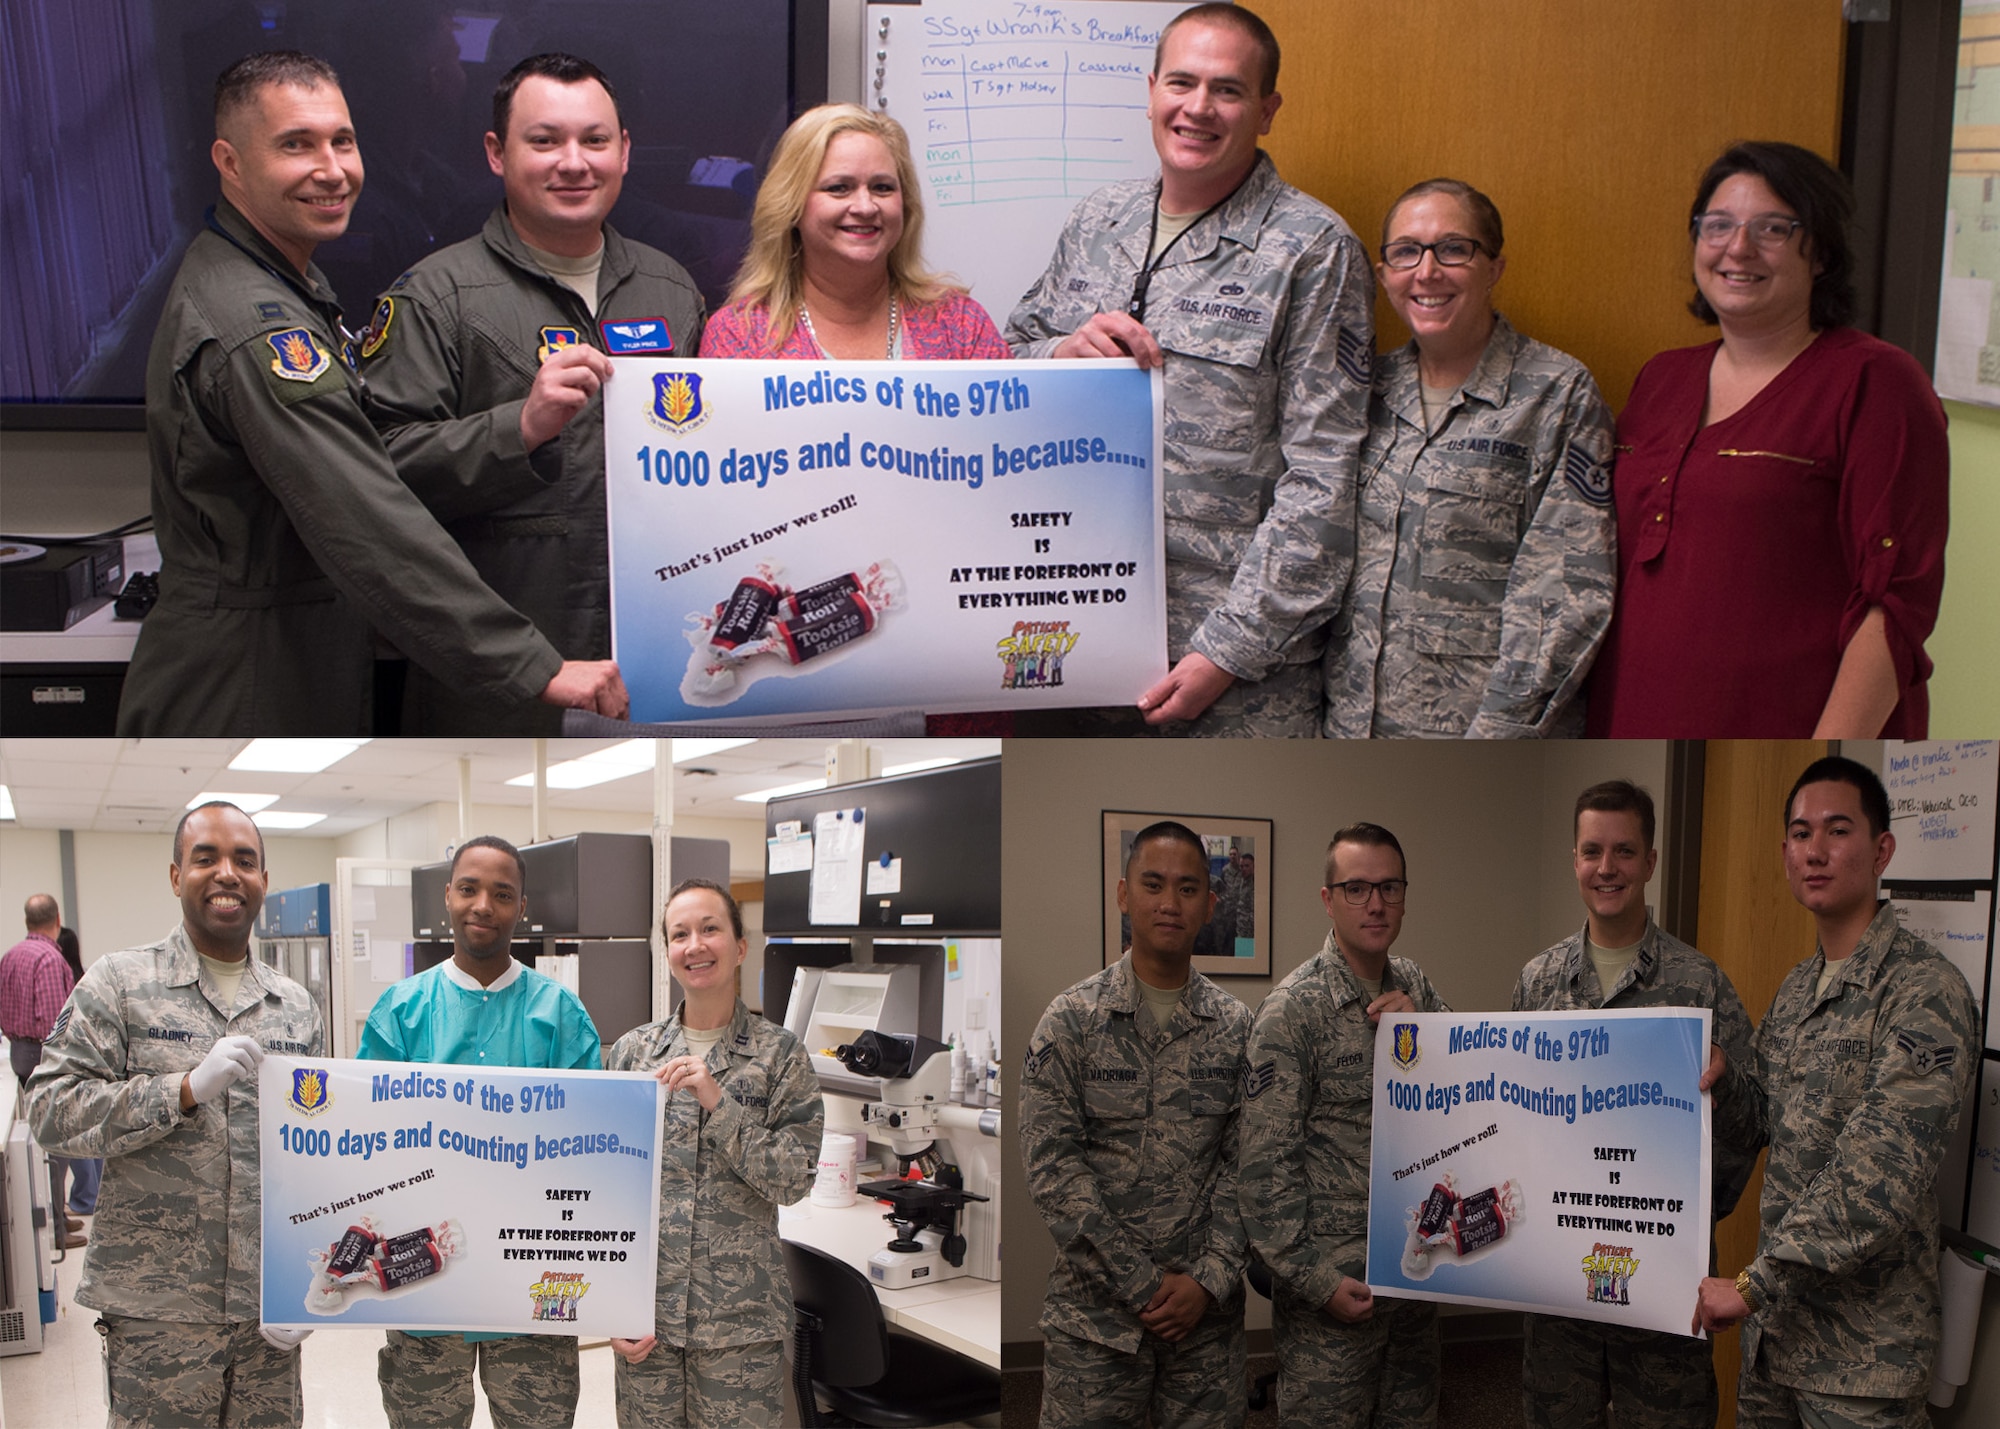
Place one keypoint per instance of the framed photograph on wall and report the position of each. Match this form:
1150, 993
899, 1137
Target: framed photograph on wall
1237, 940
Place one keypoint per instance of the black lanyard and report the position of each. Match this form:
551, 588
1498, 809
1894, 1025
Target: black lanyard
349, 341
1136, 309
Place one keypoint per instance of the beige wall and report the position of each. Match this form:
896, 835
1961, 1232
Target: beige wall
1486, 828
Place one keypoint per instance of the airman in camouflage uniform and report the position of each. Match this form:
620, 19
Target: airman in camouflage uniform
1571, 1368
1866, 1063
725, 1302
1264, 311
1308, 1120
173, 1263
1486, 553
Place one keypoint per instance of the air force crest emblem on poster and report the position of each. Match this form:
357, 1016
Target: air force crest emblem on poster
677, 404
299, 357
1406, 1053
309, 1095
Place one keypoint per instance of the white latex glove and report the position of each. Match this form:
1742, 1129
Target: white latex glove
230, 1060
279, 1339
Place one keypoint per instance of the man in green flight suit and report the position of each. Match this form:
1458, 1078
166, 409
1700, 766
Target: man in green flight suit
484, 364
481, 1008
284, 531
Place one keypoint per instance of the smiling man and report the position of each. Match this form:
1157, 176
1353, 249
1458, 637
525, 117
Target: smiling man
1344, 1357
1867, 1056
152, 1065
1621, 958
484, 364
1257, 301
1129, 1097
481, 1008
284, 531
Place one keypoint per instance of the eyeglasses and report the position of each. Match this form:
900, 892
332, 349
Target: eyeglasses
1451, 252
1357, 890
1767, 230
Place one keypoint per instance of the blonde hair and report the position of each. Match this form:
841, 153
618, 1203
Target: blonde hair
772, 274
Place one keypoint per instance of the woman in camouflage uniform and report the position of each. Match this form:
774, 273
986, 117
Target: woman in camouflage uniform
740, 1138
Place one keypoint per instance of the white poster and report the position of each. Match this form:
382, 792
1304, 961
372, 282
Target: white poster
836, 868
422, 1196
1549, 1161
790, 539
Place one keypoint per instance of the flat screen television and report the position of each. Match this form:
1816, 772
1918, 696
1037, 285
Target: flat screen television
105, 174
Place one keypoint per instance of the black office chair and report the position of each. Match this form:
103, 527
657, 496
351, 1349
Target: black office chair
842, 1349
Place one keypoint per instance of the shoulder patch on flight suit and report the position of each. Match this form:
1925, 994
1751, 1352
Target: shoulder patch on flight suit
377, 331
301, 366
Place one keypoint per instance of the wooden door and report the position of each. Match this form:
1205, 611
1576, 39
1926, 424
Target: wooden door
1588, 123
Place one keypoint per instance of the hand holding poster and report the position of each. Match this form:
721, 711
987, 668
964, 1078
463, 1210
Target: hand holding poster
420, 1196
1548, 1161
791, 538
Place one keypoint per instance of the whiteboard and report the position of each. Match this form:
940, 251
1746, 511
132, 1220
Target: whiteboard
1015, 111
1941, 807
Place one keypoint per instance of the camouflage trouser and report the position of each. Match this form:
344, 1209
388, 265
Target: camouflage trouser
161, 1374
740, 1385
1284, 706
1654, 1380
1195, 1384
1379, 1374
1763, 1404
531, 1381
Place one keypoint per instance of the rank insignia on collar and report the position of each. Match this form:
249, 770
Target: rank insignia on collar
554, 338
299, 358
377, 332
630, 335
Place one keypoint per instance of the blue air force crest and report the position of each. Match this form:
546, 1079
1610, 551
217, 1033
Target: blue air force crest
1406, 1053
309, 1095
677, 403
299, 358
554, 340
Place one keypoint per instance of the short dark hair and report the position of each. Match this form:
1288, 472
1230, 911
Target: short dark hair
1835, 769
704, 885
1616, 796
1173, 831
555, 65
1814, 190
1485, 213
180, 829
493, 841
1372, 835
1229, 17
40, 910
236, 87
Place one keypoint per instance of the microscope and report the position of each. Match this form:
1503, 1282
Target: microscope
957, 1148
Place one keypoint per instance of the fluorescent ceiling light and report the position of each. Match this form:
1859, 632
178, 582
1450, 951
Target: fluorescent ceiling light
686, 749
248, 803
620, 761
285, 819
294, 756
6, 802
920, 764
766, 795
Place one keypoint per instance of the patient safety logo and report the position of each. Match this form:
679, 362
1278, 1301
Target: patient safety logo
1406, 1053
556, 1293
1607, 1274
677, 403
1032, 654
309, 1096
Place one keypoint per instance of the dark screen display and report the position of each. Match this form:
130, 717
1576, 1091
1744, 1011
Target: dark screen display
106, 172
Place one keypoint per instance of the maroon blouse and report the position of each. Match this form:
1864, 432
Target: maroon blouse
1750, 550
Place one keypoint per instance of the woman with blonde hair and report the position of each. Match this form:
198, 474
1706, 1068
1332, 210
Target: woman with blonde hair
835, 267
